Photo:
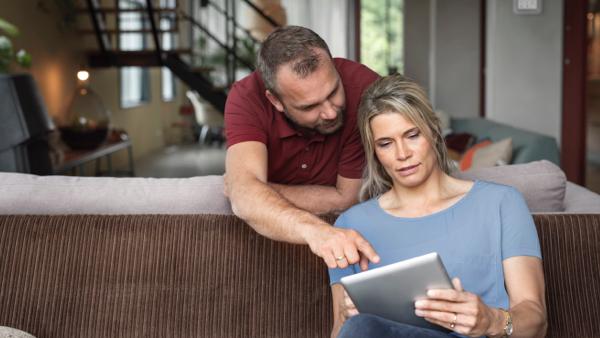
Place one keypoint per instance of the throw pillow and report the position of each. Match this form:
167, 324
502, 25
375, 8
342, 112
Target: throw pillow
487, 154
542, 183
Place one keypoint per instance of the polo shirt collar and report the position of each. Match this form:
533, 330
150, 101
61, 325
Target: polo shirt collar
284, 129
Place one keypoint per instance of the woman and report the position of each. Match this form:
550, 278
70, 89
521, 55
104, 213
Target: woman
411, 206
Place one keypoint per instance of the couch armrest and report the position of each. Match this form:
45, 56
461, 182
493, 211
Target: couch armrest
581, 200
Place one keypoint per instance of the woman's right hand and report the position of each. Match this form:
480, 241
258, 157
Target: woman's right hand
343, 308
348, 308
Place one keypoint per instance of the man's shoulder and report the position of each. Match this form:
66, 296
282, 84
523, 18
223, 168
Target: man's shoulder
251, 84
247, 96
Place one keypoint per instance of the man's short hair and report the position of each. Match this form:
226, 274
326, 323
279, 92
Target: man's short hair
289, 44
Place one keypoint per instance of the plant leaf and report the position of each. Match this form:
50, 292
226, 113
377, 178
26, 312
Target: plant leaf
23, 58
8, 28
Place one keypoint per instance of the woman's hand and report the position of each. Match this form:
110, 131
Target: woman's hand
460, 311
347, 307
343, 308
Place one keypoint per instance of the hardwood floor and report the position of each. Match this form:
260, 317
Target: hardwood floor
183, 161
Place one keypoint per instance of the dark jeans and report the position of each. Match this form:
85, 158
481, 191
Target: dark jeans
366, 325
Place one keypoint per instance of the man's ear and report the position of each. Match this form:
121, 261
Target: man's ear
274, 100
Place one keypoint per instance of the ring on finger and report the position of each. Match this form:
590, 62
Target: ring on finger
453, 323
340, 258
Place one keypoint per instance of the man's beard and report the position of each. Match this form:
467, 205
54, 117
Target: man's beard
324, 127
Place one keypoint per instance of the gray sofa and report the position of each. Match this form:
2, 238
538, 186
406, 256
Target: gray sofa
542, 183
136, 257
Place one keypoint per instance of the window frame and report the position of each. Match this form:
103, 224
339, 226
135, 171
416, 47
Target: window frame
145, 96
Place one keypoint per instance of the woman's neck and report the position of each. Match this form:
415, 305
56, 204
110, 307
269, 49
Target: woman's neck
437, 192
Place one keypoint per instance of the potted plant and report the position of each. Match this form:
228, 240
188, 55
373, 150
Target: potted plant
7, 54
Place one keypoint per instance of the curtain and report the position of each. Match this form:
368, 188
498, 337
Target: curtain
328, 18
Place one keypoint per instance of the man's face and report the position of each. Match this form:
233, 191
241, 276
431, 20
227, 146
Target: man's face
315, 102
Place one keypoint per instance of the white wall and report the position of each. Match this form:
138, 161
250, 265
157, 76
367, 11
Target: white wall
417, 41
524, 66
442, 46
457, 57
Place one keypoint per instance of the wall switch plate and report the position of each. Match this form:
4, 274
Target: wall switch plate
527, 7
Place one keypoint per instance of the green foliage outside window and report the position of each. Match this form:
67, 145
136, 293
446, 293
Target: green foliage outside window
381, 30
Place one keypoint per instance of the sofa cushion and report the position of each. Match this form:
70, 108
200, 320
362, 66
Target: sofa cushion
466, 161
53, 195
542, 183
487, 154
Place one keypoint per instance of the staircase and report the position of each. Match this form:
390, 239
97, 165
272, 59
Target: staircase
109, 53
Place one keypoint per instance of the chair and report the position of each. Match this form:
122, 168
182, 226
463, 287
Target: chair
24, 127
208, 118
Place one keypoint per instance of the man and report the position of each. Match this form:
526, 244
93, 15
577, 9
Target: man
293, 146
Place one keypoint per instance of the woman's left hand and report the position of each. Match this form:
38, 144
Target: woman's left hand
457, 310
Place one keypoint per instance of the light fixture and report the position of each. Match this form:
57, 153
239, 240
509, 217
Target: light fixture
83, 75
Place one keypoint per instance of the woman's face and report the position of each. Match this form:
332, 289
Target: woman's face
402, 149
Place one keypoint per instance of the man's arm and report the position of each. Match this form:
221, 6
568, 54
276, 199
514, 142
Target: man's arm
319, 199
273, 216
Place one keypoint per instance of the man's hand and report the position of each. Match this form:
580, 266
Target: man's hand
340, 247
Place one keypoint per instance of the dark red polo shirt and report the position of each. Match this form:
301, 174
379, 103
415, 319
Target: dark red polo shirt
295, 158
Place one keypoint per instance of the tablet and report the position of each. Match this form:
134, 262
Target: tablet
391, 291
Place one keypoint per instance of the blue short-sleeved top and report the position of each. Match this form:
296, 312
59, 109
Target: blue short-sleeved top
473, 236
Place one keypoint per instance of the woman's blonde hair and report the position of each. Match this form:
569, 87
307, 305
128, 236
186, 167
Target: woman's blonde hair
396, 94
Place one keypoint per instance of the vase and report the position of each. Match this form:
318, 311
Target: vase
88, 121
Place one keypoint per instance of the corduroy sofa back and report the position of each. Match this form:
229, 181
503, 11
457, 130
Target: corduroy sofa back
212, 276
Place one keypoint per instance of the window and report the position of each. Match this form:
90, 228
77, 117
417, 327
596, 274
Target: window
135, 81
167, 22
381, 35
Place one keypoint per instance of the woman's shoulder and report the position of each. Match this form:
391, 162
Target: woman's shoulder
493, 187
495, 191
357, 212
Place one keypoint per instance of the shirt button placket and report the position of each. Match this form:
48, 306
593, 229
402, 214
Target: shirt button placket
305, 160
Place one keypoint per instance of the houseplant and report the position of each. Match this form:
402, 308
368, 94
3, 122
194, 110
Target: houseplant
7, 54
